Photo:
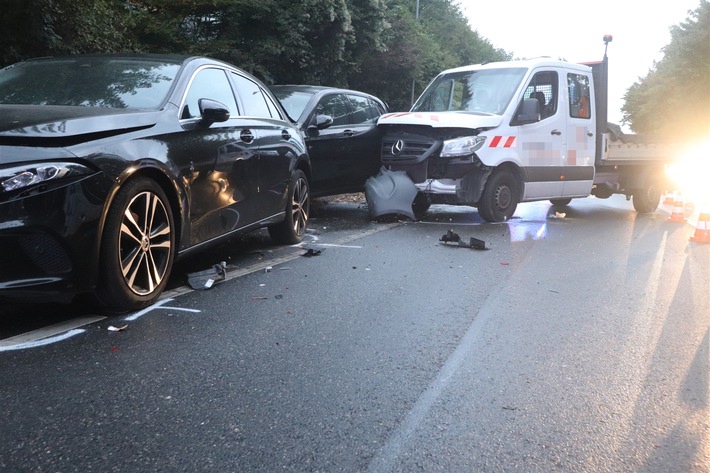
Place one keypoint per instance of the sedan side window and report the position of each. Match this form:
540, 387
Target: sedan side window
252, 98
336, 107
364, 111
208, 84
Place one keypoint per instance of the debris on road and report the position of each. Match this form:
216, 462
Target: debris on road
205, 279
452, 237
111, 328
312, 252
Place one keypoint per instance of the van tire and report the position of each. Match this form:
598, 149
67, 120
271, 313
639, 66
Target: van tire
499, 198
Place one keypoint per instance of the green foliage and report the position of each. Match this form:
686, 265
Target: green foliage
377, 46
674, 97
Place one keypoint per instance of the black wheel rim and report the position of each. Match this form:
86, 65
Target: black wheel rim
503, 197
145, 243
299, 206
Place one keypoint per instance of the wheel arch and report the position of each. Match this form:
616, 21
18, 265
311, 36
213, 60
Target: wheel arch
175, 194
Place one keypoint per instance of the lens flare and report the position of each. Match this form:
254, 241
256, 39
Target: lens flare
691, 173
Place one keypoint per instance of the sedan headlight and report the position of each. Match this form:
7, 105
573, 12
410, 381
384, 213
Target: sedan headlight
13, 179
464, 146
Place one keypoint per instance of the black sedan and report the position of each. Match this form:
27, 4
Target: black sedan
339, 126
112, 167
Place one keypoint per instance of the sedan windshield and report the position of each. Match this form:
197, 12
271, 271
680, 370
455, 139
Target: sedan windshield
88, 82
486, 91
294, 101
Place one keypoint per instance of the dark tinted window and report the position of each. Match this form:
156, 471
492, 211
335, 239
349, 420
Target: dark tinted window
209, 84
252, 97
336, 106
88, 82
364, 110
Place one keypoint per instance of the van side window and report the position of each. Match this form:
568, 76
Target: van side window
544, 87
208, 84
579, 99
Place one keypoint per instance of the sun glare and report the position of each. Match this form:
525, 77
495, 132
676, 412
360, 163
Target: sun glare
691, 173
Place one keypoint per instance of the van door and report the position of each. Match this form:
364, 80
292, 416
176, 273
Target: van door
579, 158
542, 143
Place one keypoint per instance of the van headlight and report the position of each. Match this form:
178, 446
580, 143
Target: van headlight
464, 146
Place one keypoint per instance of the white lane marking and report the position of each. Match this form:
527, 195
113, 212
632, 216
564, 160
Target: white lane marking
44, 341
49, 331
403, 433
158, 305
333, 245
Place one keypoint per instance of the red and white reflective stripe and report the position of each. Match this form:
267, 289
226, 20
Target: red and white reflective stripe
502, 142
434, 118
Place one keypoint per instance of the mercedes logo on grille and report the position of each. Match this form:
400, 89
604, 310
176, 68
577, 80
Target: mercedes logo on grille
397, 147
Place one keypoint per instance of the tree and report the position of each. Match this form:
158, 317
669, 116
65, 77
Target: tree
674, 97
53, 27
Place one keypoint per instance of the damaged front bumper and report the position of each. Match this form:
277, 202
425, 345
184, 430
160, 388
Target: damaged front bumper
390, 193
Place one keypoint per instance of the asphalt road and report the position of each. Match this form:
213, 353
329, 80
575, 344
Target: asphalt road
577, 341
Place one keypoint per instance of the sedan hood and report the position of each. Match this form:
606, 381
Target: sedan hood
49, 125
442, 119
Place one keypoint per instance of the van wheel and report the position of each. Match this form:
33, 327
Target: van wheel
499, 198
137, 247
291, 230
647, 200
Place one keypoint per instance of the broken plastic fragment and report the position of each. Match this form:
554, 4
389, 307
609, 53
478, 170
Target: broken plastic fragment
475, 243
312, 252
111, 328
206, 279
390, 193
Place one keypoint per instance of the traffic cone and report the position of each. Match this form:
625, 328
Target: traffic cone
702, 230
668, 200
678, 214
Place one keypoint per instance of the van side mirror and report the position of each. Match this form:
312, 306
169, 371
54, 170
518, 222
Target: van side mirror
529, 112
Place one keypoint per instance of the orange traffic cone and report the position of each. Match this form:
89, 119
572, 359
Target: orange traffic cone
702, 230
668, 200
678, 214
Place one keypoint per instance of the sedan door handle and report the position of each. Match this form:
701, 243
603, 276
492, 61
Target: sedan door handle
589, 133
348, 133
285, 135
556, 132
246, 136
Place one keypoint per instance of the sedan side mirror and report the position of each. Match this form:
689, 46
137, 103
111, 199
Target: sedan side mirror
212, 111
320, 122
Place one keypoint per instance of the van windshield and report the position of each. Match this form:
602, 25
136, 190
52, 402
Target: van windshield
487, 91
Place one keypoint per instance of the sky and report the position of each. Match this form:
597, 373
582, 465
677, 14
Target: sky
570, 30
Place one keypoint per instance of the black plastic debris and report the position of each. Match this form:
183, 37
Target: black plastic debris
205, 279
312, 252
452, 237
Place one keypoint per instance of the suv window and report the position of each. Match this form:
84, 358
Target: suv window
364, 110
212, 84
252, 97
336, 106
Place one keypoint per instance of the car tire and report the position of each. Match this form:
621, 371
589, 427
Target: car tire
137, 247
560, 202
499, 198
290, 231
